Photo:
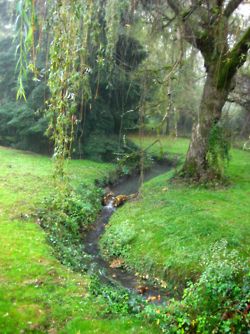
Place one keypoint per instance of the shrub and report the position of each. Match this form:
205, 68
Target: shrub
117, 299
219, 302
65, 215
119, 241
103, 147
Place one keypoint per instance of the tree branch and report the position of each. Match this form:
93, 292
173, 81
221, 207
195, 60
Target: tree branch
234, 59
189, 33
175, 6
241, 48
230, 8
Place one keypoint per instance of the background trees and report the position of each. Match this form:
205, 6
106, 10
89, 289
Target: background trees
102, 96
115, 57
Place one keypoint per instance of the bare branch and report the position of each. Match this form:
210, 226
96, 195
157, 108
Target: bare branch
232, 5
188, 30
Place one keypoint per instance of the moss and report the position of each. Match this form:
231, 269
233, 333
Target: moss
232, 61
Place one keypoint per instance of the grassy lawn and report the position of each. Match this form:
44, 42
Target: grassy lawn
167, 232
37, 293
162, 145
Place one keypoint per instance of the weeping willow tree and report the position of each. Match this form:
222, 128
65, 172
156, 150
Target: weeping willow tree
90, 57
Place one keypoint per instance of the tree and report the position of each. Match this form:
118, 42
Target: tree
91, 98
206, 26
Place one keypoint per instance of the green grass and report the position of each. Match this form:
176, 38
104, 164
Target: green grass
167, 232
37, 293
162, 145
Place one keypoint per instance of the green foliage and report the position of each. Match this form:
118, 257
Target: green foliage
118, 300
219, 144
22, 128
64, 216
22, 123
217, 303
37, 293
7, 70
25, 30
105, 148
113, 12
105, 118
84, 89
64, 79
131, 162
119, 242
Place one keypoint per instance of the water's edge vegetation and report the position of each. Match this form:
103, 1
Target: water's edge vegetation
73, 210
37, 293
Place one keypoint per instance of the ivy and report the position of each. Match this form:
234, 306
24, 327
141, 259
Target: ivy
218, 149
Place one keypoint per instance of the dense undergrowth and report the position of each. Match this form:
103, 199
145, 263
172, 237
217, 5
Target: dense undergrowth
218, 302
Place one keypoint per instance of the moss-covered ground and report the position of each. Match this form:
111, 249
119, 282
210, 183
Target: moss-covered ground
168, 230
37, 293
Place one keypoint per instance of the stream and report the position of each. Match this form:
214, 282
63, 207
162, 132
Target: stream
119, 275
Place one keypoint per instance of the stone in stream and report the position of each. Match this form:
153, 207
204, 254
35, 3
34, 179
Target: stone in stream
116, 263
118, 200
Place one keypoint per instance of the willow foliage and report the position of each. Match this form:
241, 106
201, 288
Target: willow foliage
81, 35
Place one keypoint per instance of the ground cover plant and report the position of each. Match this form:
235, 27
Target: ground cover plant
37, 293
218, 302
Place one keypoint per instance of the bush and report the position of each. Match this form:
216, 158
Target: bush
22, 128
117, 299
219, 302
65, 215
103, 147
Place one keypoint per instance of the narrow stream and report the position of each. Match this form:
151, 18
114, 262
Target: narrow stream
120, 276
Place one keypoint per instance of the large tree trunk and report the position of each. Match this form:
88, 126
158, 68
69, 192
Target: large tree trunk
205, 25
213, 100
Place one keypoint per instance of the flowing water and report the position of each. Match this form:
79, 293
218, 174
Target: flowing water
120, 276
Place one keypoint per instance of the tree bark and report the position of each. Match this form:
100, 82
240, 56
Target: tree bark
220, 76
210, 110
206, 28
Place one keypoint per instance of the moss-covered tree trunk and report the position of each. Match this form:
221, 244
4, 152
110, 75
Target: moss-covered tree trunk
206, 27
213, 99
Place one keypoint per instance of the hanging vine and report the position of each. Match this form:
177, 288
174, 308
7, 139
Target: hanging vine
25, 30
64, 79
75, 29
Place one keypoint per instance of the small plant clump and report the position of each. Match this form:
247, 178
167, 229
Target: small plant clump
65, 215
118, 300
218, 303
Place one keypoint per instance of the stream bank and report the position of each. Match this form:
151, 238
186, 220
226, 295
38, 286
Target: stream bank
116, 273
